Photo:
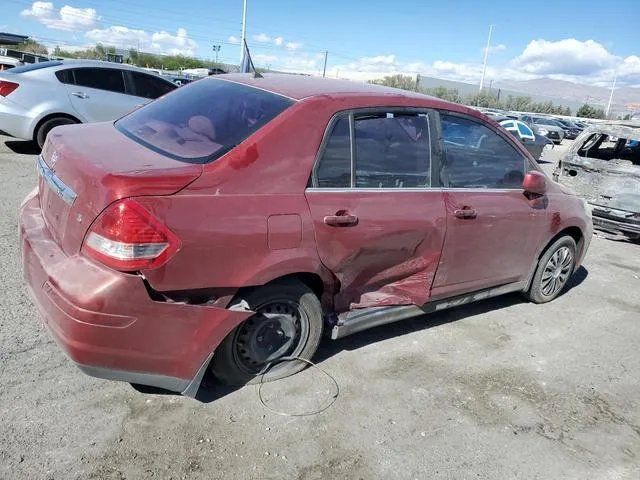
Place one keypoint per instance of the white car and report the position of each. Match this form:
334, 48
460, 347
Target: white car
36, 98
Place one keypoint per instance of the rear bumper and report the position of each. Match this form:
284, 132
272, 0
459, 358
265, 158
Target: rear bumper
15, 121
106, 322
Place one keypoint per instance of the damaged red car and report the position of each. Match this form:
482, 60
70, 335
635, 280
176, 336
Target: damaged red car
229, 224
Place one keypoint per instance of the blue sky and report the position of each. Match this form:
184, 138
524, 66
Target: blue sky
567, 39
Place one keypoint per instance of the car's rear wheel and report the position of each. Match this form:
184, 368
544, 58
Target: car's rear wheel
287, 323
554, 270
47, 126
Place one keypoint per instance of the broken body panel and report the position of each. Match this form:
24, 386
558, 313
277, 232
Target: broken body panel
607, 174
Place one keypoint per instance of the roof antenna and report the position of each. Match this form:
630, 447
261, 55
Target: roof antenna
247, 63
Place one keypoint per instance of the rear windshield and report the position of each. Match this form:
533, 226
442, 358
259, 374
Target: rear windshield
33, 66
203, 120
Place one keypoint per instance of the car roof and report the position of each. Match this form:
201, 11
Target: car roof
299, 87
66, 63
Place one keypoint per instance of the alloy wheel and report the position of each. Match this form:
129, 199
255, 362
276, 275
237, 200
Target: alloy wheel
557, 271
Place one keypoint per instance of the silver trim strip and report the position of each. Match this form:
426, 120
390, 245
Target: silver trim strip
417, 189
54, 183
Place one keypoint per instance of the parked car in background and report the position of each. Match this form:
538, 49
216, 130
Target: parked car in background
8, 62
571, 130
546, 126
178, 80
533, 142
607, 174
36, 98
183, 249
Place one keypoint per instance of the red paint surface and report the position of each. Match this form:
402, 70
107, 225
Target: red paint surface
247, 219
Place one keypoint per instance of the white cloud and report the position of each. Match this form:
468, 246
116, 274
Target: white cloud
262, 38
293, 45
568, 57
178, 44
586, 62
234, 40
495, 48
67, 18
278, 41
262, 58
158, 42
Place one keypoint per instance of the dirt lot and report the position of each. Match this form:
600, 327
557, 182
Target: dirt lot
500, 389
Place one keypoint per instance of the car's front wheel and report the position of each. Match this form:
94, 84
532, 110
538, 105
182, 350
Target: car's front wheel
287, 323
553, 271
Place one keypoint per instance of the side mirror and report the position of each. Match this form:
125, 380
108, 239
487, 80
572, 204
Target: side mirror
534, 182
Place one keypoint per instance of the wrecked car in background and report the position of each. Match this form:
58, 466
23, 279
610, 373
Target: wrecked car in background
603, 167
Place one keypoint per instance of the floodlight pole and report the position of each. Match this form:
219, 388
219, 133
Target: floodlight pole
486, 57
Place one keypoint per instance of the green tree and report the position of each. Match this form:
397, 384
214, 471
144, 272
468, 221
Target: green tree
448, 94
587, 111
404, 82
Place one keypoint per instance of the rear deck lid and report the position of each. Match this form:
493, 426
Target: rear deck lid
84, 168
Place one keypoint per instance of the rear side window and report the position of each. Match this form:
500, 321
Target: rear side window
478, 157
109, 79
148, 86
334, 170
391, 150
203, 120
65, 76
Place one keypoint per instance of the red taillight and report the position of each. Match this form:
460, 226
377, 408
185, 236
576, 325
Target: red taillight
7, 87
127, 237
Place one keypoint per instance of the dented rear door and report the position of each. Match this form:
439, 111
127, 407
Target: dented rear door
379, 225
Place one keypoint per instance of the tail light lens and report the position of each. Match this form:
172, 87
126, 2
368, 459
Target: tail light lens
127, 237
7, 87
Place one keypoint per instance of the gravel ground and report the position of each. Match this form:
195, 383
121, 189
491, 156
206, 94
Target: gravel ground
499, 389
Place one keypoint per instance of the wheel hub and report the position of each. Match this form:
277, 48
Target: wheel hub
272, 333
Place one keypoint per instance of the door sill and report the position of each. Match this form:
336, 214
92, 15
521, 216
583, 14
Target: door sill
363, 319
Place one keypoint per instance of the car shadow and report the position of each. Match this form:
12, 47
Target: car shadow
23, 147
211, 390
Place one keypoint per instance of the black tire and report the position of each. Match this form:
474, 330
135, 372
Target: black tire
557, 271
298, 310
46, 127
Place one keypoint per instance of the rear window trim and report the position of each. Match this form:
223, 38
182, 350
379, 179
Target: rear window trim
208, 158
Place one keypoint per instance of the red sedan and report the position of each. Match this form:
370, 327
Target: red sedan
231, 222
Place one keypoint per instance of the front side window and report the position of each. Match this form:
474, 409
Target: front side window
203, 120
476, 156
391, 150
109, 79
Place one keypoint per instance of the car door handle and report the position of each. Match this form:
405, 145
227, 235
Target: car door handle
82, 95
466, 213
344, 220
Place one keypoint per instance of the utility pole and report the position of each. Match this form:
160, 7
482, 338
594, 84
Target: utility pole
486, 57
324, 69
613, 87
244, 31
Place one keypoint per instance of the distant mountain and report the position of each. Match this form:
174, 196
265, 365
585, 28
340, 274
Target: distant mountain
539, 95
574, 92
